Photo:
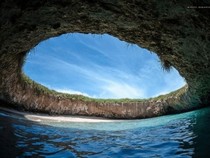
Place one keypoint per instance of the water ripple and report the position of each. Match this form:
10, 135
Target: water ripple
185, 135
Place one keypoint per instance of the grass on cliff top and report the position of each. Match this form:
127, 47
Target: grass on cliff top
172, 94
42, 90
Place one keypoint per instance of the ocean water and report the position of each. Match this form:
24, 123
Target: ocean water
181, 135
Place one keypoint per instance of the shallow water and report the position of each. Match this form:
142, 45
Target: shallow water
183, 135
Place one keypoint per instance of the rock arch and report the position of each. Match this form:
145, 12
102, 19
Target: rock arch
179, 32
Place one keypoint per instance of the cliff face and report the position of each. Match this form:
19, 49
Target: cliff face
176, 31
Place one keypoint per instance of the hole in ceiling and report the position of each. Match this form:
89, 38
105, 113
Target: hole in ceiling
99, 66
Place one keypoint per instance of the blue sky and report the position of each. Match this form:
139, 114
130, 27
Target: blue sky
99, 66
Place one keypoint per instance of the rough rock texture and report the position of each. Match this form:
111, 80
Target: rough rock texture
176, 31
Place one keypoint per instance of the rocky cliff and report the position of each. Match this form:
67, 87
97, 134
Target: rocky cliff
179, 32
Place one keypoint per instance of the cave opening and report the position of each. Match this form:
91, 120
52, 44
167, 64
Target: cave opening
99, 66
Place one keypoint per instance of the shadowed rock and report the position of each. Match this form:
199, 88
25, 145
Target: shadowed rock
179, 32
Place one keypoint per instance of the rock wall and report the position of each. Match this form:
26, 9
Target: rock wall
179, 32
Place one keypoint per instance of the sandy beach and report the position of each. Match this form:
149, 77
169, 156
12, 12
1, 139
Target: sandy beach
44, 117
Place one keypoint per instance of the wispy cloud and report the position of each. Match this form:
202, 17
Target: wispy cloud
110, 90
70, 91
121, 90
100, 68
109, 82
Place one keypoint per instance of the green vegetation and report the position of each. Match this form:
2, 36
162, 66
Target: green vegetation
173, 94
40, 89
166, 65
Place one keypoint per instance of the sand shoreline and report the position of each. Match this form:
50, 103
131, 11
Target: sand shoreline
44, 117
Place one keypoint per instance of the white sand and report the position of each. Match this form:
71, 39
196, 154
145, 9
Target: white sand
44, 117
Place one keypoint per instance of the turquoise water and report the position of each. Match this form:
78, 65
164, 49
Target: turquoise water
183, 135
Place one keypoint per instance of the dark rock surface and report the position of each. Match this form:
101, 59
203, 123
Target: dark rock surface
178, 31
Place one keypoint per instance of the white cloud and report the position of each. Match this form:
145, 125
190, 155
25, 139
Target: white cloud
121, 90
128, 78
109, 82
161, 93
70, 91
